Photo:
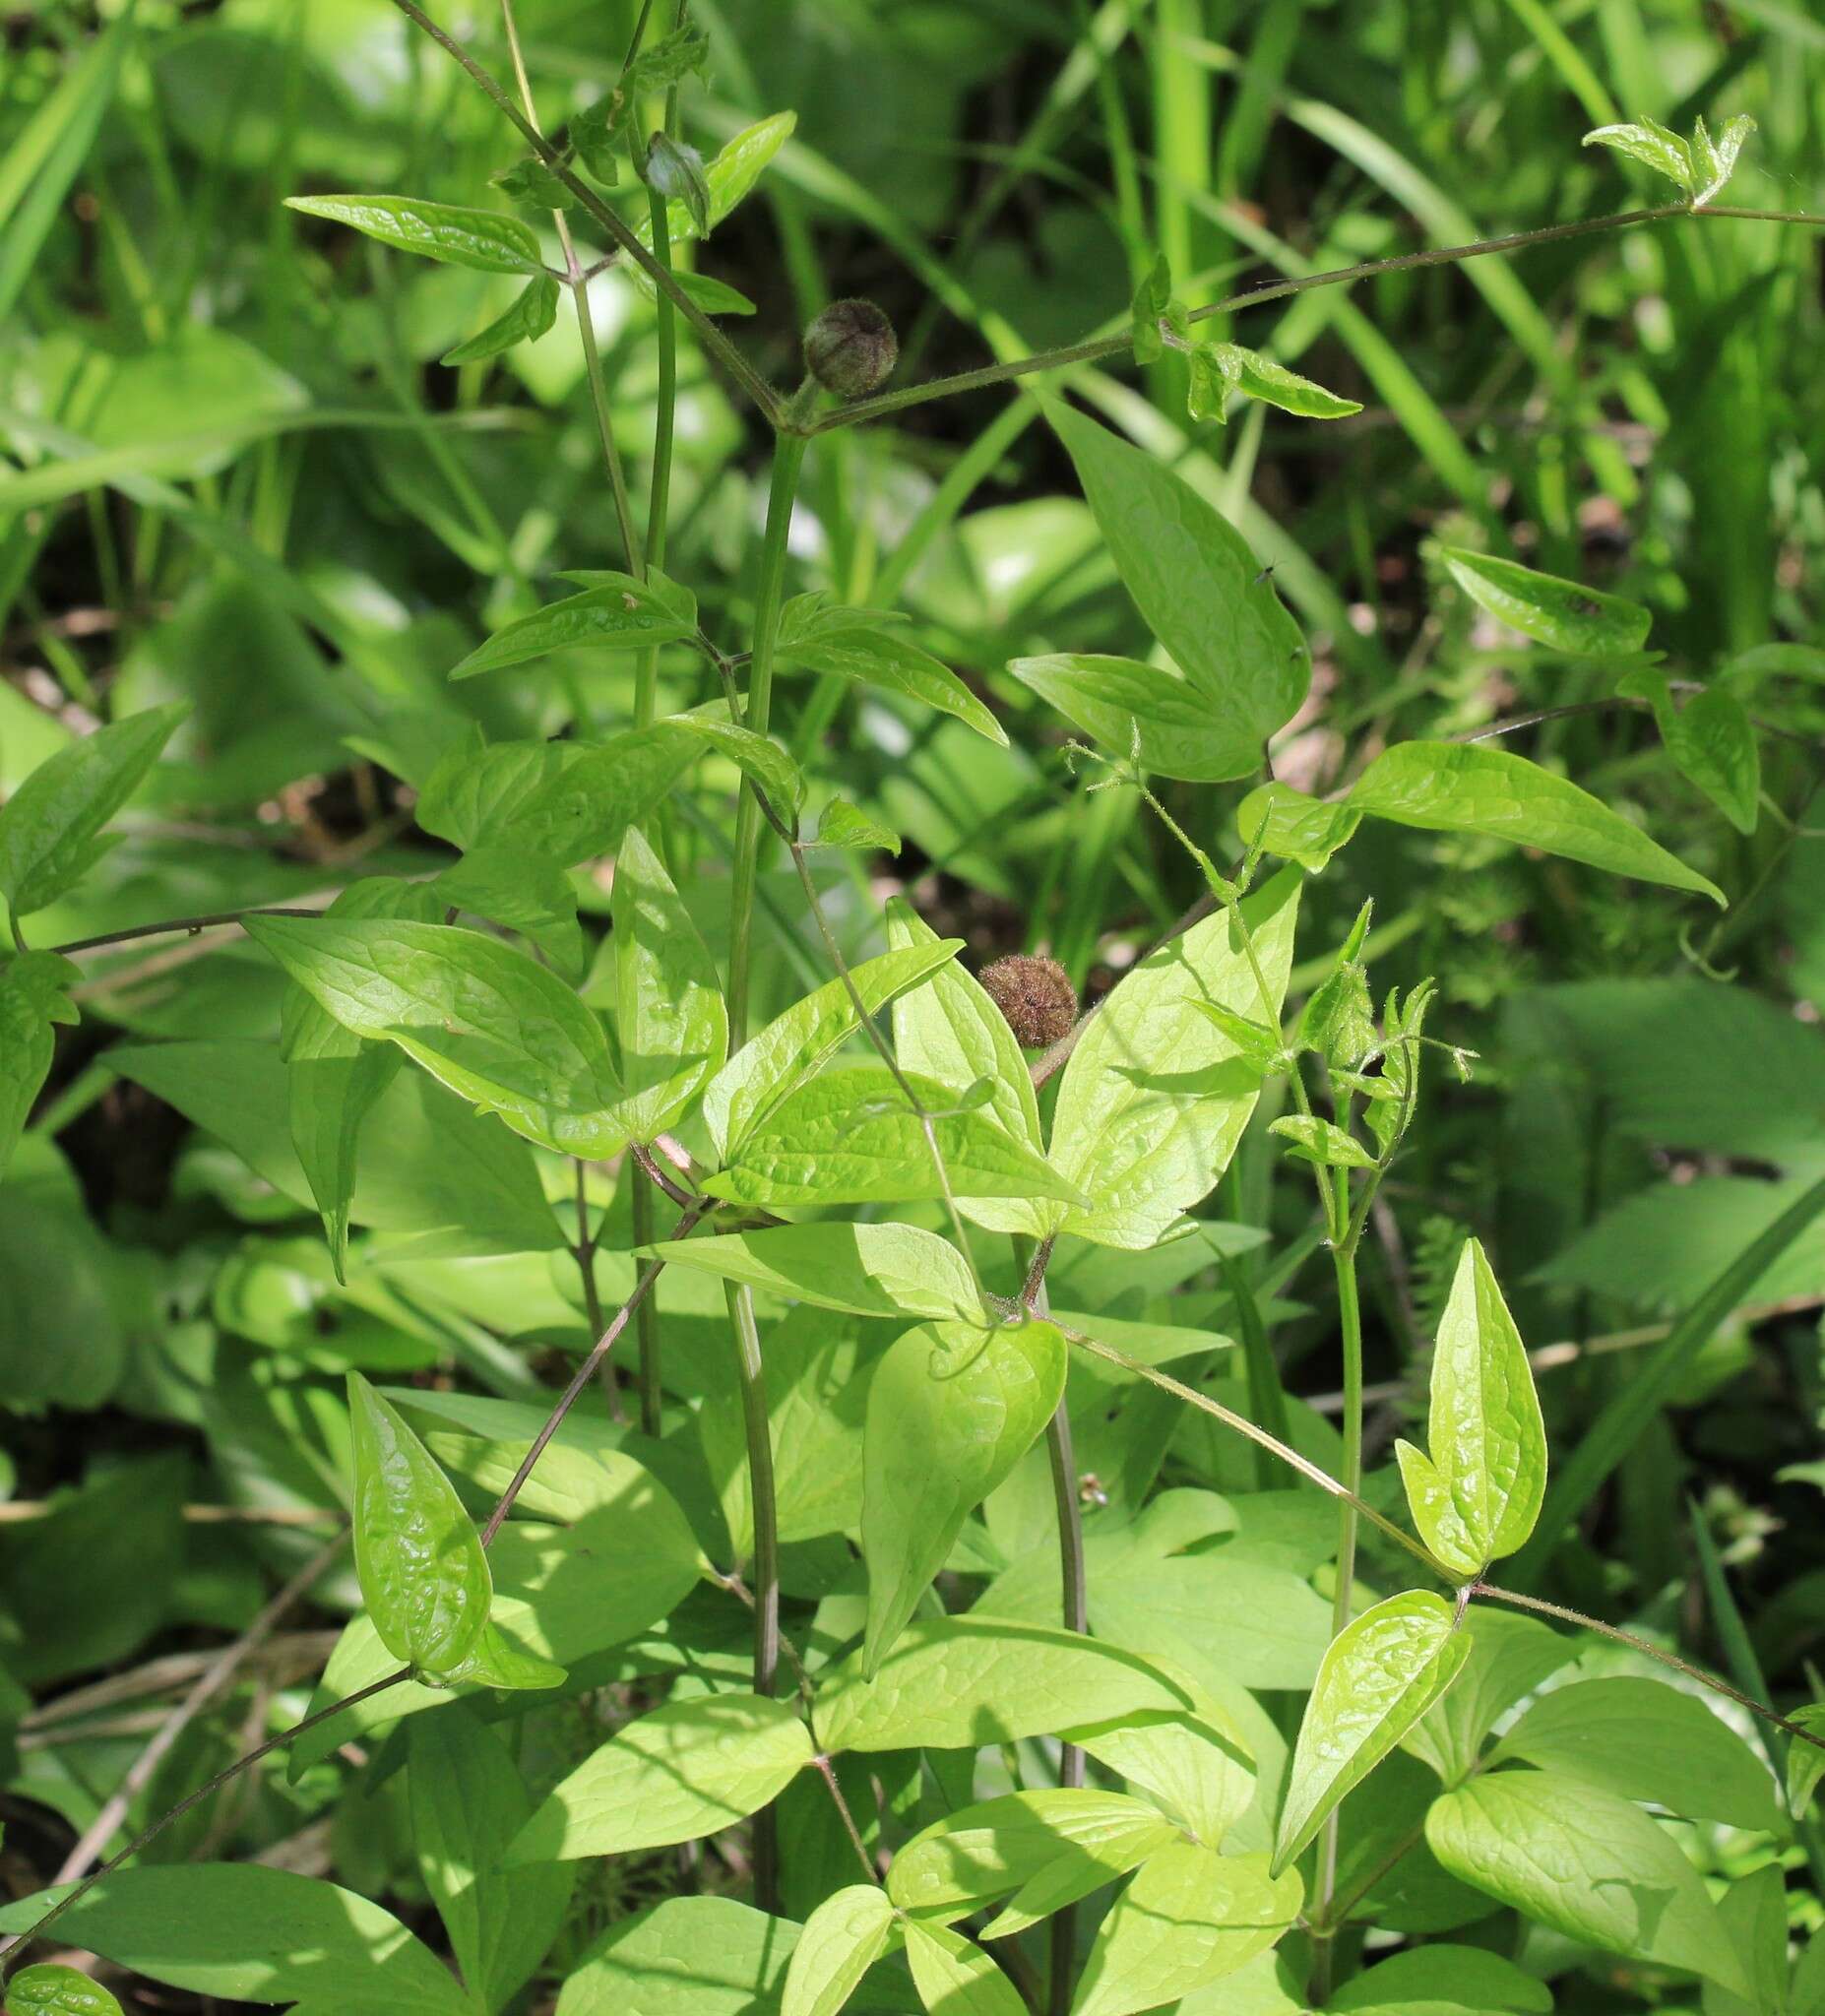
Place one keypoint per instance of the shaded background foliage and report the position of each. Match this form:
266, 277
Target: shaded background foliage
241, 478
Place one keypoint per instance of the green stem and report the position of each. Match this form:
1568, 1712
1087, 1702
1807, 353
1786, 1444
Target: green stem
585, 327
787, 458
1031, 1259
1350, 1327
752, 1375
645, 696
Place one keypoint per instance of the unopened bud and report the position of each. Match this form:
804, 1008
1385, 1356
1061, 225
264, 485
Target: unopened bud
850, 349
1035, 995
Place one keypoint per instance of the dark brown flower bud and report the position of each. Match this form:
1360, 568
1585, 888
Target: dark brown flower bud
850, 349
1035, 995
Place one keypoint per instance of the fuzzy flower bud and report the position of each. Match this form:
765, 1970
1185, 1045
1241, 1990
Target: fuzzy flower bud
850, 349
1035, 995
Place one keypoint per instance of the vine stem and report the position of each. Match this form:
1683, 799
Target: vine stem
646, 682
788, 459
1314, 1474
1350, 1330
208, 921
1311, 1472
1075, 1589
9, 1953
765, 398
1541, 1607
213, 1680
585, 327
1098, 350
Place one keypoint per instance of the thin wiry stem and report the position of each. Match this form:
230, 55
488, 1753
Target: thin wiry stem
208, 921
758, 390
1667, 1658
1096, 349
586, 326
13, 1948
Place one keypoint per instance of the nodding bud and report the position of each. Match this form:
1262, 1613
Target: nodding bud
1035, 995
850, 349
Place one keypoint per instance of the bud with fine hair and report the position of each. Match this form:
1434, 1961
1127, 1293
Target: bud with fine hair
1036, 998
850, 349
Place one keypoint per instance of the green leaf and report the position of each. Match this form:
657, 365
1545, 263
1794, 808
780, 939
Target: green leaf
430, 1168
1381, 1674
243, 1933
468, 1798
1655, 146
1587, 1864
1477, 1495
1320, 1143
425, 1577
1152, 298
485, 239
50, 827
840, 824
1467, 787
1155, 1096
334, 1076
1646, 1740
1198, 587
1710, 740
1565, 614
951, 1031
1152, 714
849, 1137
494, 1026
533, 186
675, 170
526, 892
728, 178
529, 316
690, 1956
1283, 822
842, 1939
951, 1409
679, 1772
1443, 1981
1219, 368
495, 1661
1509, 1655
955, 1683
1188, 1917
615, 612
560, 1592
764, 762
1046, 1848
669, 1013
864, 647
1197, 1769
1805, 1762
713, 297
894, 1270
33, 995
774, 1064
1714, 162
50, 1989
956, 1977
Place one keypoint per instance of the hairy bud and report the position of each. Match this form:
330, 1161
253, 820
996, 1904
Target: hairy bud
1035, 995
850, 349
